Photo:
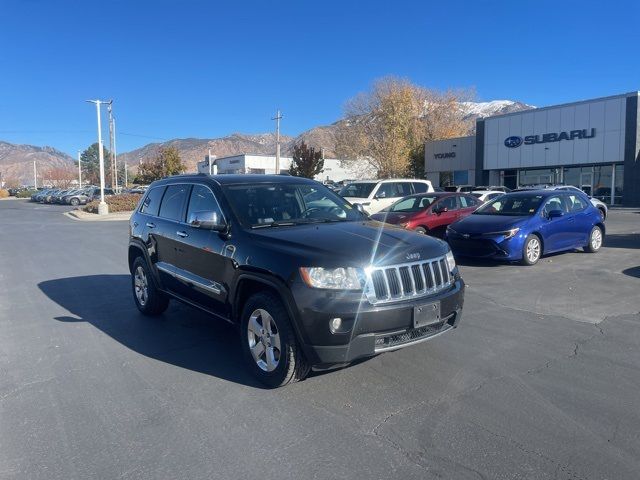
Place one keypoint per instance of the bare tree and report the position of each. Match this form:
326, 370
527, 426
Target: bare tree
387, 125
60, 177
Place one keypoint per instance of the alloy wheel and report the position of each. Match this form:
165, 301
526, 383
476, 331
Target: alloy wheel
596, 239
141, 286
264, 340
533, 250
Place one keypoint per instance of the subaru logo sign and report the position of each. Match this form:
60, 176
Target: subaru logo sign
513, 142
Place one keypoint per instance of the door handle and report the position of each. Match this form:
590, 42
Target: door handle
151, 225
182, 234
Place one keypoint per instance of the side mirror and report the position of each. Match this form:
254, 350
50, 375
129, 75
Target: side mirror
360, 208
438, 210
555, 214
208, 220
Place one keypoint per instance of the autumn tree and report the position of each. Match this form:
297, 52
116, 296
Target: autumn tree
387, 125
61, 177
306, 161
167, 162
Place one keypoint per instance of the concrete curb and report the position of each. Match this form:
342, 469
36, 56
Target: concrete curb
94, 217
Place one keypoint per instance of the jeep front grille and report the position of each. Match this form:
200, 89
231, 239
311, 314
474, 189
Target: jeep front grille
408, 280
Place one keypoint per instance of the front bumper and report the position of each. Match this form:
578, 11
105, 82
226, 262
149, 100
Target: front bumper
495, 247
368, 329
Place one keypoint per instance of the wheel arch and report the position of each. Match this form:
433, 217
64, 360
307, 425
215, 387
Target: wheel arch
249, 283
539, 235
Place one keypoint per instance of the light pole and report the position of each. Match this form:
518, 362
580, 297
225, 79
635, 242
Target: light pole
103, 208
35, 176
115, 155
79, 171
277, 119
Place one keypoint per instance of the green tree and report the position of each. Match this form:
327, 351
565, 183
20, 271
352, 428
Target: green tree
167, 162
90, 160
306, 161
416, 162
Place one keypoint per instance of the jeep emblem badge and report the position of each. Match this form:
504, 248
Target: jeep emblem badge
413, 256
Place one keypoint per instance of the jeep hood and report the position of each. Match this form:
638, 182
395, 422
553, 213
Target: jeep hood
350, 243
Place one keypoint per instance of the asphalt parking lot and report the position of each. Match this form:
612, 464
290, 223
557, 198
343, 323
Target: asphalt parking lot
541, 380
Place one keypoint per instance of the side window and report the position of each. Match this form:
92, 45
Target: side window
151, 203
403, 189
419, 187
467, 202
576, 204
387, 190
554, 203
202, 199
450, 203
173, 202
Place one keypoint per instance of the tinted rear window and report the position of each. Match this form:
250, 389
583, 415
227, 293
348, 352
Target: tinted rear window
173, 201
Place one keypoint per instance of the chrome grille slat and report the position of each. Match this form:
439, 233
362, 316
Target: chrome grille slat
392, 283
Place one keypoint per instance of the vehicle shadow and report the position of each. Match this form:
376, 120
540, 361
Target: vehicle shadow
632, 272
182, 336
622, 240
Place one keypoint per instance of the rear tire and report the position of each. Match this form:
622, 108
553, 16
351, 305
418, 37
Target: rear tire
75, 202
595, 240
269, 344
149, 300
532, 250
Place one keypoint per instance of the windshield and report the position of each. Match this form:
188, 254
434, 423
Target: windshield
357, 190
514, 205
412, 204
266, 205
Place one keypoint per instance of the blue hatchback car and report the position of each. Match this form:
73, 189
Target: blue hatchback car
523, 226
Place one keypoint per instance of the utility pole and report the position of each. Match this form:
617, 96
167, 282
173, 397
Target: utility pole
277, 119
114, 183
209, 161
35, 176
103, 208
114, 153
79, 171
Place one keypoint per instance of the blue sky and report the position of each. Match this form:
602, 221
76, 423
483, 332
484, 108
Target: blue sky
205, 69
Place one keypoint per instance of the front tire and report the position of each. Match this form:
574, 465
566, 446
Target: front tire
149, 300
75, 202
595, 240
532, 250
269, 344
421, 230
603, 215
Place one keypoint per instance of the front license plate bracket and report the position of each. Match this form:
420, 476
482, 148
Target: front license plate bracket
424, 315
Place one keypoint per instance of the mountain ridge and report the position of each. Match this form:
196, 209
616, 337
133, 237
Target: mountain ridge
16, 159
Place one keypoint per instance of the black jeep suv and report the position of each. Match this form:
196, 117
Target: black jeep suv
307, 277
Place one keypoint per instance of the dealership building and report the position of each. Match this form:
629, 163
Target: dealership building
593, 144
333, 170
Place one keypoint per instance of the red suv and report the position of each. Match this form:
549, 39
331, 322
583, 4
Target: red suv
429, 213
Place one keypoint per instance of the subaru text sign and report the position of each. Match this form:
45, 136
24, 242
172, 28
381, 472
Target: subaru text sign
514, 142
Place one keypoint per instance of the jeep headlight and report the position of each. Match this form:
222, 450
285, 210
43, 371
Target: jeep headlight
451, 261
348, 278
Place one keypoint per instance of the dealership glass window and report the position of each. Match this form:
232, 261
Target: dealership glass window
539, 176
461, 177
510, 178
446, 179
617, 189
601, 182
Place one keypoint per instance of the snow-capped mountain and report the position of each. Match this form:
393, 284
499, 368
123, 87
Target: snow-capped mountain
494, 107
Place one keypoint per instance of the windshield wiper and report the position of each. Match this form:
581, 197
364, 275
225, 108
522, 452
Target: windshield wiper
281, 223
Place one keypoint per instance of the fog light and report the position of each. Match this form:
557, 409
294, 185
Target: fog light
335, 324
